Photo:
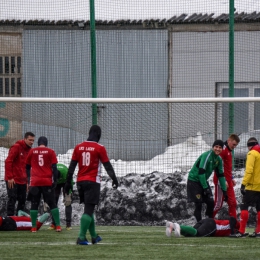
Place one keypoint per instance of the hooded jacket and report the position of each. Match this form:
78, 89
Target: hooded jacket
251, 178
15, 162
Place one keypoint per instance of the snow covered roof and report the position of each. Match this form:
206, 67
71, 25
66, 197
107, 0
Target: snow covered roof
126, 12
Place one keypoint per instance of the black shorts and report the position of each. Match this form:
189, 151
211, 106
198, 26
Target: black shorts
89, 192
195, 192
47, 192
206, 227
251, 198
8, 224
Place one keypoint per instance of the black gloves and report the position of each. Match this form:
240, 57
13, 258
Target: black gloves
207, 192
54, 185
243, 189
225, 195
115, 183
68, 187
110, 171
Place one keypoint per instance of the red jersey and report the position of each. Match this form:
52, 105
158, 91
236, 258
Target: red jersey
15, 162
89, 156
22, 223
223, 228
41, 159
226, 156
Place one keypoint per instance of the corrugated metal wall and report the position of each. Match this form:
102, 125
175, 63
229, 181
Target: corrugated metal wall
134, 63
200, 65
56, 63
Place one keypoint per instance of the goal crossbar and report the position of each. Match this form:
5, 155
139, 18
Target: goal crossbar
130, 100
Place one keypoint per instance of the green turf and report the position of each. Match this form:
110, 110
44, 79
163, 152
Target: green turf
124, 243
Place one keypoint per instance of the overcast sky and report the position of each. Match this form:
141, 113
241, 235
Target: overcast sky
115, 9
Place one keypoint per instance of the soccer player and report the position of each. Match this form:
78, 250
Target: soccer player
15, 174
41, 167
63, 172
21, 222
250, 188
198, 189
208, 227
226, 156
89, 155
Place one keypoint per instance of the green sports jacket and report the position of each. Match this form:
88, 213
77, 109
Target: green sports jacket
204, 167
63, 173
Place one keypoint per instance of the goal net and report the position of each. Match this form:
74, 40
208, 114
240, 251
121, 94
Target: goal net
141, 135
129, 49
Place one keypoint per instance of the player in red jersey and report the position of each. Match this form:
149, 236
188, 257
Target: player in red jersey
21, 222
226, 156
208, 227
15, 174
41, 167
89, 155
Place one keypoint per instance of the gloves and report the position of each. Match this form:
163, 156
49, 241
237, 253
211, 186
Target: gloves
207, 192
46, 207
67, 187
225, 195
243, 189
54, 185
115, 183
67, 200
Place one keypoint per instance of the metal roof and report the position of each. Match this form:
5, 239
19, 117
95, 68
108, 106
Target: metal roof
181, 19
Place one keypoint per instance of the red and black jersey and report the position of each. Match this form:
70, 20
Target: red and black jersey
226, 156
17, 223
223, 228
41, 160
89, 156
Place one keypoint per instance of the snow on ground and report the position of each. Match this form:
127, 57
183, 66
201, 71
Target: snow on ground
149, 192
177, 158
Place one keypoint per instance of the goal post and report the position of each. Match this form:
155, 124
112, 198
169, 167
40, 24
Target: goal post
142, 135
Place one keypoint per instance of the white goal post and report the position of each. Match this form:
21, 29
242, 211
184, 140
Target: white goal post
163, 134
131, 100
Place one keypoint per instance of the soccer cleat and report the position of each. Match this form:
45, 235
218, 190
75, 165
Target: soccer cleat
252, 235
51, 227
239, 235
69, 228
82, 242
58, 229
177, 229
169, 228
33, 229
96, 240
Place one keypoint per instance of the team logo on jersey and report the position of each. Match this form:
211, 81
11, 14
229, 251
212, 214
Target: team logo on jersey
198, 196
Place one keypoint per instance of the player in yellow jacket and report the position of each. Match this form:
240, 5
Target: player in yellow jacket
250, 187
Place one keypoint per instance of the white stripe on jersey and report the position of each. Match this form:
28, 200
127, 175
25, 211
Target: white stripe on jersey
23, 224
222, 227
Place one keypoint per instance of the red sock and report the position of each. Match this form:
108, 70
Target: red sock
243, 220
257, 230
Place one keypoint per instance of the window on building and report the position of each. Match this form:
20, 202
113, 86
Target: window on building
246, 115
10, 76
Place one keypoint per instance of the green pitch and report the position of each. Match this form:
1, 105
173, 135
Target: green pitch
123, 243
